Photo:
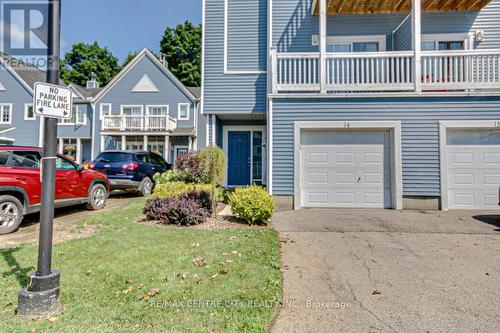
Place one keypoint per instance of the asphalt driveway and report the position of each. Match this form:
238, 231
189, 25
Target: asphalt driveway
389, 271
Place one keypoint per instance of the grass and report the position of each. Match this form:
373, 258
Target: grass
104, 279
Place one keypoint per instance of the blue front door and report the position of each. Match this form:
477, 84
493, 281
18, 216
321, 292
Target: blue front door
238, 158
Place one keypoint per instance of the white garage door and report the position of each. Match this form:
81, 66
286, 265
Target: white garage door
345, 169
473, 161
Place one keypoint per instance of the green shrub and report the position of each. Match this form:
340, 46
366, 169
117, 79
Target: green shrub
166, 177
213, 160
175, 189
252, 205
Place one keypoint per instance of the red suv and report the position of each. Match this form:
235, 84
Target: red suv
20, 185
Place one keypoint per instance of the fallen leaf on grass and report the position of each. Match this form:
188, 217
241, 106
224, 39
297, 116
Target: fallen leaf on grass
140, 286
6, 304
151, 293
195, 245
52, 319
33, 330
376, 292
88, 272
127, 291
214, 276
199, 261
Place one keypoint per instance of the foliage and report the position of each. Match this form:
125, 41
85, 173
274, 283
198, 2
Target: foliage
190, 169
85, 59
170, 176
204, 199
129, 58
252, 205
122, 259
182, 48
175, 189
213, 161
184, 210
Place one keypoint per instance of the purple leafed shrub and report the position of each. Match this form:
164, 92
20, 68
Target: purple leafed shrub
180, 211
190, 169
203, 198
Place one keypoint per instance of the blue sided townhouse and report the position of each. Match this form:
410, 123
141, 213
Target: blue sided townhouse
357, 103
145, 107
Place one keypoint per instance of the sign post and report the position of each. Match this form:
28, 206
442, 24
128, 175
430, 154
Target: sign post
41, 297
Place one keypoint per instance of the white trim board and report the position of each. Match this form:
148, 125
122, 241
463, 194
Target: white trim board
260, 128
396, 154
226, 69
443, 129
380, 39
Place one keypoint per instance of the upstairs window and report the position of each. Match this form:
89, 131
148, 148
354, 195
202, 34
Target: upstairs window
183, 111
5, 114
78, 116
157, 110
106, 110
345, 44
444, 42
29, 112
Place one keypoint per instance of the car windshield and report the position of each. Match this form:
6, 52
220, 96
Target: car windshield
113, 157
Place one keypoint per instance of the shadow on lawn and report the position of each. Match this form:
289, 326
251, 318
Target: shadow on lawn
21, 274
494, 220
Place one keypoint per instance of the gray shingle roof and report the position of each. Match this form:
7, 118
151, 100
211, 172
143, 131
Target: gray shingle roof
87, 93
196, 91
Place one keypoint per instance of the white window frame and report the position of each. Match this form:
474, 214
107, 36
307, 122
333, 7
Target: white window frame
454, 37
131, 106
26, 107
179, 111
157, 106
330, 40
66, 122
101, 111
9, 106
227, 71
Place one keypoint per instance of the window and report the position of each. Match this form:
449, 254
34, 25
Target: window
29, 112
132, 110
64, 164
444, 42
78, 117
25, 159
5, 113
365, 43
69, 148
4, 157
144, 158
106, 110
183, 113
257, 156
157, 160
157, 110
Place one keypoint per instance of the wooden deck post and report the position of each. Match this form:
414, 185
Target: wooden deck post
416, 15
322, 44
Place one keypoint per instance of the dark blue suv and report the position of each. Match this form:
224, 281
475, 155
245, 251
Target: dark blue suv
131, 170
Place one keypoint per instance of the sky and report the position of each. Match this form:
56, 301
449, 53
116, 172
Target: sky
123, 25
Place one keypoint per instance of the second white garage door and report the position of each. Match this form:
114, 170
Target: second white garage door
345, 169
473, 169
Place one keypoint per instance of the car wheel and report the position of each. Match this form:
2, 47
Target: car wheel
11, 214
98, 195
146, 187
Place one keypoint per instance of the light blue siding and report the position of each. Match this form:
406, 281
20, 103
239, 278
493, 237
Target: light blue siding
78, 131
247, 35
229, 93
26, 131
420, 131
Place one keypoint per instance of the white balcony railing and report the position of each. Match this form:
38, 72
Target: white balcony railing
138, 123
386, 71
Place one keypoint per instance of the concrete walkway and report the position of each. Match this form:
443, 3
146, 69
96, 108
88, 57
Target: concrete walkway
389, 271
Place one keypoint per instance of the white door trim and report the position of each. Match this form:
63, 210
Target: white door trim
177, 147
396, 156
443, 128
260, 128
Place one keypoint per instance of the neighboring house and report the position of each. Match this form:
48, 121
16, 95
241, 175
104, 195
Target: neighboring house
20, 126
144, 107
369, 104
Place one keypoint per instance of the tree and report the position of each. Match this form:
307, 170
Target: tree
214, 162
129, 58
182, 48
85, 59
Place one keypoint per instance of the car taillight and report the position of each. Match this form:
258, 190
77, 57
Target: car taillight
130, 166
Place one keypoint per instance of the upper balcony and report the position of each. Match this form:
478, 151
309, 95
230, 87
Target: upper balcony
442, 68
138, 123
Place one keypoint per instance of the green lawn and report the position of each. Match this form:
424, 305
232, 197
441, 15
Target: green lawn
234, 287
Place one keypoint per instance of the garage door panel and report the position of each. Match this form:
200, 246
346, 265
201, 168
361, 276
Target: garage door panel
353, 173
473, 167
